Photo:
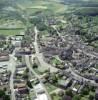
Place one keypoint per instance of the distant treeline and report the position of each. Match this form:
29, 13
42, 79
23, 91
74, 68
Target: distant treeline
93, 11
11, 28
5, 3
73, 1
82, 3
90, 7
89, 4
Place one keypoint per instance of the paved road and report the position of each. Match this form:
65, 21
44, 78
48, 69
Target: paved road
40, 55
12, 65
27, 60
59, 34
91, 54
78, 77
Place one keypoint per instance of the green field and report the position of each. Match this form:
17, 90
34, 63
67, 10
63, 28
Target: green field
50, 87
42, 5
10, 31
6, 23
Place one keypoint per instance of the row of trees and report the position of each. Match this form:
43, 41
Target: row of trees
3, 95
74, 96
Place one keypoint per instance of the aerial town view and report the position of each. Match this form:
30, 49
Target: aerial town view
48, 49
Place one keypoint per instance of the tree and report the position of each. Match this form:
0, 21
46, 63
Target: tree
2, 93
47, 76
53, 94
6, 97
27, 70
85, 91
69, 92
54, 78
35, 20
35, 65
42, 27
92, 88
91, 97
25, 76
76, 97
61, 93
29, 84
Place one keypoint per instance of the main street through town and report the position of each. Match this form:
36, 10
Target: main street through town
12, 64
40, 55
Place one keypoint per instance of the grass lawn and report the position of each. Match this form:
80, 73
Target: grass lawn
50, 87
10, 31
96, 67
37, 71
77, 86
11, 23
44, 33
84, 98
55, 61
56, 97
32, 94
40, 70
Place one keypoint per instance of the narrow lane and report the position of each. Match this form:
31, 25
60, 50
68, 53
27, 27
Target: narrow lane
27, 60
12, 65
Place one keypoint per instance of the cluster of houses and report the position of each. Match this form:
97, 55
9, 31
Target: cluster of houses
50, 46
4, 56
20, 83
22, 51
4, 79
55, 51
21, 48
21, 74
74, 50
63, 81
40, 92
26, 86
4, 64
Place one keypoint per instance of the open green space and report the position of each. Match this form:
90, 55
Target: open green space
7, 23
56, 97
41, 6
55, 61
40, 70
10, 31
50, 87
37, 71
96, 66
